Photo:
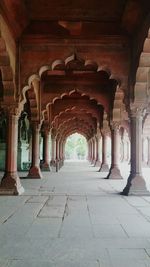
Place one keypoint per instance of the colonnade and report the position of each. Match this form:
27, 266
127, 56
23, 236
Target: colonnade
97, 154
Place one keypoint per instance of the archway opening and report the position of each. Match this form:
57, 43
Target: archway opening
76, 148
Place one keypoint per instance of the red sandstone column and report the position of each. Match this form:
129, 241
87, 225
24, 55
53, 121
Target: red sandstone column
136, 184
114, 172
10, 183
104, 167
53, 150
93, 151
90, 151
57, 154
96, 150
35, 171
88, 156
98, 161
46, 151
91, 160
61, 152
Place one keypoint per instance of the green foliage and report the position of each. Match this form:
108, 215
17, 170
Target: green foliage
76, 147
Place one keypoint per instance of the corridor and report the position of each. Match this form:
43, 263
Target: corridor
74, 218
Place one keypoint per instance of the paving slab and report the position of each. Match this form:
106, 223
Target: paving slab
74, 218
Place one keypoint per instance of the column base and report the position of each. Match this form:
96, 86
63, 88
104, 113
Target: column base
148, 164
10, 184
45, 167
104, 168
135, 186
53, 163
114, 174
34, 173
57, 165
97, 164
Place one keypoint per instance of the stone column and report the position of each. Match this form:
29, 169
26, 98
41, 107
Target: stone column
122, 159
90, 151
63, 150
144, 161
10, 183
93, 151
57, 154
46, 151
35, 171
98, 161
148, 163
91, 159
114, 172
60, 153
136, 184
104, 167
53, 150
88, 157
96, 150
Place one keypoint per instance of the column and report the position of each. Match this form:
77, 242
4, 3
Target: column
46, 151
98, 161
96, 150
10, 183
144, 162
122, 150
93, 151
136, 184
104, 167
90, 151
114, 172
148, 162
91, 159
53, 150
35, 171
57, 154
61, 152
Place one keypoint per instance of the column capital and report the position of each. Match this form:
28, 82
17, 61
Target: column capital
136, 111
12, 111
115, 125
46, 128
36, 125
105, 131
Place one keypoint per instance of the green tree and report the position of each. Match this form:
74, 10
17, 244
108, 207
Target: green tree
76, 147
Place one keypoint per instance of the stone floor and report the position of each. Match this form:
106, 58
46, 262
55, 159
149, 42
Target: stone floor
74, 218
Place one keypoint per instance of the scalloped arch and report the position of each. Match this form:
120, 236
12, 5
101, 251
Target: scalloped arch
142, 83
7, 76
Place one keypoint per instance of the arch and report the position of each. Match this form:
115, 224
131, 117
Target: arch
142, 84
79, 64
8, 89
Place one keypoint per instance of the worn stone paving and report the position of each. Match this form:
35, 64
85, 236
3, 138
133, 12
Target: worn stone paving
74, 218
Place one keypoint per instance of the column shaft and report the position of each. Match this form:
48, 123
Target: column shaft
114, 172
10, 183
104, 167
35, 171
136, 183
46, 151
